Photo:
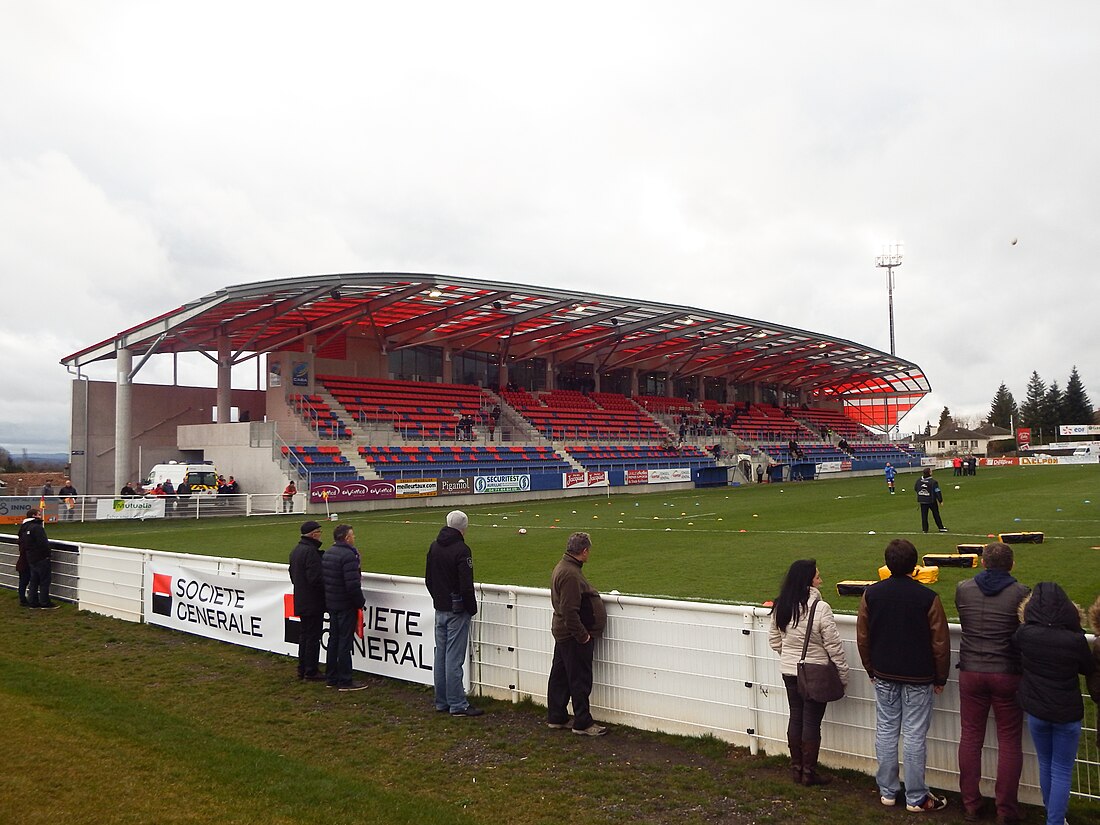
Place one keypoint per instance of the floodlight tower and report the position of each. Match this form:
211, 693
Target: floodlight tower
890, 259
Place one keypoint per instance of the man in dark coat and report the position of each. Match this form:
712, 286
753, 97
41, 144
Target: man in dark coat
342, 573
35, 547
309, 599
929, 497
449, 577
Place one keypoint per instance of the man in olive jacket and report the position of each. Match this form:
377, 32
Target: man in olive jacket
579, 619
309, 599
902, 636
989, 677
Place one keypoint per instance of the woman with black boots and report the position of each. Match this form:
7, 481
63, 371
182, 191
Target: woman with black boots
799, 611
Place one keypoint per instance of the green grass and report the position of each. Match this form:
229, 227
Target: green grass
726, 544
110, 722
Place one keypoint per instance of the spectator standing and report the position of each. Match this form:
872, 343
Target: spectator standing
47, 489
579, 620
449, 577
929, 497
128, 490
989, 677
342, 572
309, 599
957, 464
789, 628
68, 500
289, 492
183, 493
35, 546
1054, 654
902, 636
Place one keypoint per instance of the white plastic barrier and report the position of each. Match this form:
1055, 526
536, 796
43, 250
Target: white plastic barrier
679, 667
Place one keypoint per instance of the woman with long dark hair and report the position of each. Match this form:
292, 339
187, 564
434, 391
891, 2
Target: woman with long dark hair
1054, 654
788, 634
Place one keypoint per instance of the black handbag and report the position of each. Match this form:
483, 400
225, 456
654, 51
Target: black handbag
818, 683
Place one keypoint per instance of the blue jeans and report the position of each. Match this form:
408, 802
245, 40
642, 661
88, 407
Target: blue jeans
452, 636
1056, 749
902, 711
341, 629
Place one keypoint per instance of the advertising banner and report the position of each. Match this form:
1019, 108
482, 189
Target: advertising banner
665, 476
1007, 461
572, 481
1023, 437
397, 640
502, 484
1033, 461
13, 509
1079, 429
417, 487
456, 486
637, 476
127, 508
337, 491
299, 374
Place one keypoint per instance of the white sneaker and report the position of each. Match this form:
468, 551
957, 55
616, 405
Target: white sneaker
591, 730
888, 801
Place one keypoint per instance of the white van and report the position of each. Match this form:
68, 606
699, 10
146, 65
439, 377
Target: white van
203, 478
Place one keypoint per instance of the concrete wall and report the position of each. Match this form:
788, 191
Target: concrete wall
246, 451
158, 410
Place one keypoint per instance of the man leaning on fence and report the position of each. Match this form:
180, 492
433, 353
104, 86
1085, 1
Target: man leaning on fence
579, 620
903, 641
449, 577
989, 677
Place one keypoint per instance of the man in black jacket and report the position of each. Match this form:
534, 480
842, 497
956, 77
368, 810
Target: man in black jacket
449, 577
929, 497
342, 573
309, 599
35, 547
905, 647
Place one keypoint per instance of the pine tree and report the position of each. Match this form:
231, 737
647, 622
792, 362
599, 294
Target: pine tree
1050, 414
1076, 407
1031, 411
945, 419
1003, 411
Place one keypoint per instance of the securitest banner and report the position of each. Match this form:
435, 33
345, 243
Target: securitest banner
502, 484
126, 508
398, 637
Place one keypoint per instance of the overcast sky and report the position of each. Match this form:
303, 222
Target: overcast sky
750, 158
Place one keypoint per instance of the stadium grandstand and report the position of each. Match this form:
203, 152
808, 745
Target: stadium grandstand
394, 376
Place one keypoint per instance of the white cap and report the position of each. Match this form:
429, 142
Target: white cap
458, 520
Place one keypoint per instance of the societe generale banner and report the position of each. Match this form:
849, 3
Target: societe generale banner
398, 637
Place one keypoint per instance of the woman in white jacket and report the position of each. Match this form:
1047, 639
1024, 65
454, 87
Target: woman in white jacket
788, 632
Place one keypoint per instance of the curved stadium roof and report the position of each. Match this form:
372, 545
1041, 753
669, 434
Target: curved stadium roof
518, 321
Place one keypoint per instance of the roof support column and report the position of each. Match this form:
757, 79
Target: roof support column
124, 363
448, 366
550, 383
225, 372
633, 382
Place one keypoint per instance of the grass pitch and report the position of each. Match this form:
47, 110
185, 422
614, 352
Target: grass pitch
725, 544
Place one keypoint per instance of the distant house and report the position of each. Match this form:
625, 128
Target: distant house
955, 440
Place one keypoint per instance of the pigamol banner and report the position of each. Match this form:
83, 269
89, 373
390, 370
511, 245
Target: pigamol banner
396, 636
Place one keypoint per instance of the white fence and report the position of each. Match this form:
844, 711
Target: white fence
673, 666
